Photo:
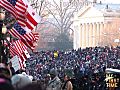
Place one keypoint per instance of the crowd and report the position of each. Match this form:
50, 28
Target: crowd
16, 80
87, 66
82, 69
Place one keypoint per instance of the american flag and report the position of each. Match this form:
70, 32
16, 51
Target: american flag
18, 48
23, 13
27, 38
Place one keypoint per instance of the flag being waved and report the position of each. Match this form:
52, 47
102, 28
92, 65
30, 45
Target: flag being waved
19, 48
23, 12
32, 17
27, 38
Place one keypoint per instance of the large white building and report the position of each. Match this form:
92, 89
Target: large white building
96, 24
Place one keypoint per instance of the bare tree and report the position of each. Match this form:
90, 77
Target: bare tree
38, 5
62, 12
59, 14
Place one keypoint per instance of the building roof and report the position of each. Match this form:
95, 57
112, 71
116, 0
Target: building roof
109, 10
96, 12
107, 6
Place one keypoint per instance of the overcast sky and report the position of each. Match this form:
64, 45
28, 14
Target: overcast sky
109, 1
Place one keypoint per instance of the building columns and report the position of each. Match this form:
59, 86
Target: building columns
87, 35
90, 35
83, 35
98, 33
80, 32
94, 36
101, 32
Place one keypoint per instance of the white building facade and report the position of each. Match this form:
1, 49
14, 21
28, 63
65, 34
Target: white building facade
91, 24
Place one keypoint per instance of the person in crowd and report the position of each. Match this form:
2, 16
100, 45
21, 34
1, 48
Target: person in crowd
84, 62
5, 72
20, 80
67, 81
55, 82
11, 68
5, 77
5, 84
32, 86
47, 79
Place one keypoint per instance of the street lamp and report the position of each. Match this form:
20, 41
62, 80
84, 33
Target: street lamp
3, 30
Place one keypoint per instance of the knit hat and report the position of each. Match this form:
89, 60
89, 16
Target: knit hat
20, 80
54, 72
69, 73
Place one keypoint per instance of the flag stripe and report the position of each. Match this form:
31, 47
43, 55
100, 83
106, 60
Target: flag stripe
28, 37
21, 5
14, 33
5, 4
18, 48
30, 18
21, 23
13, 51
28, 24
